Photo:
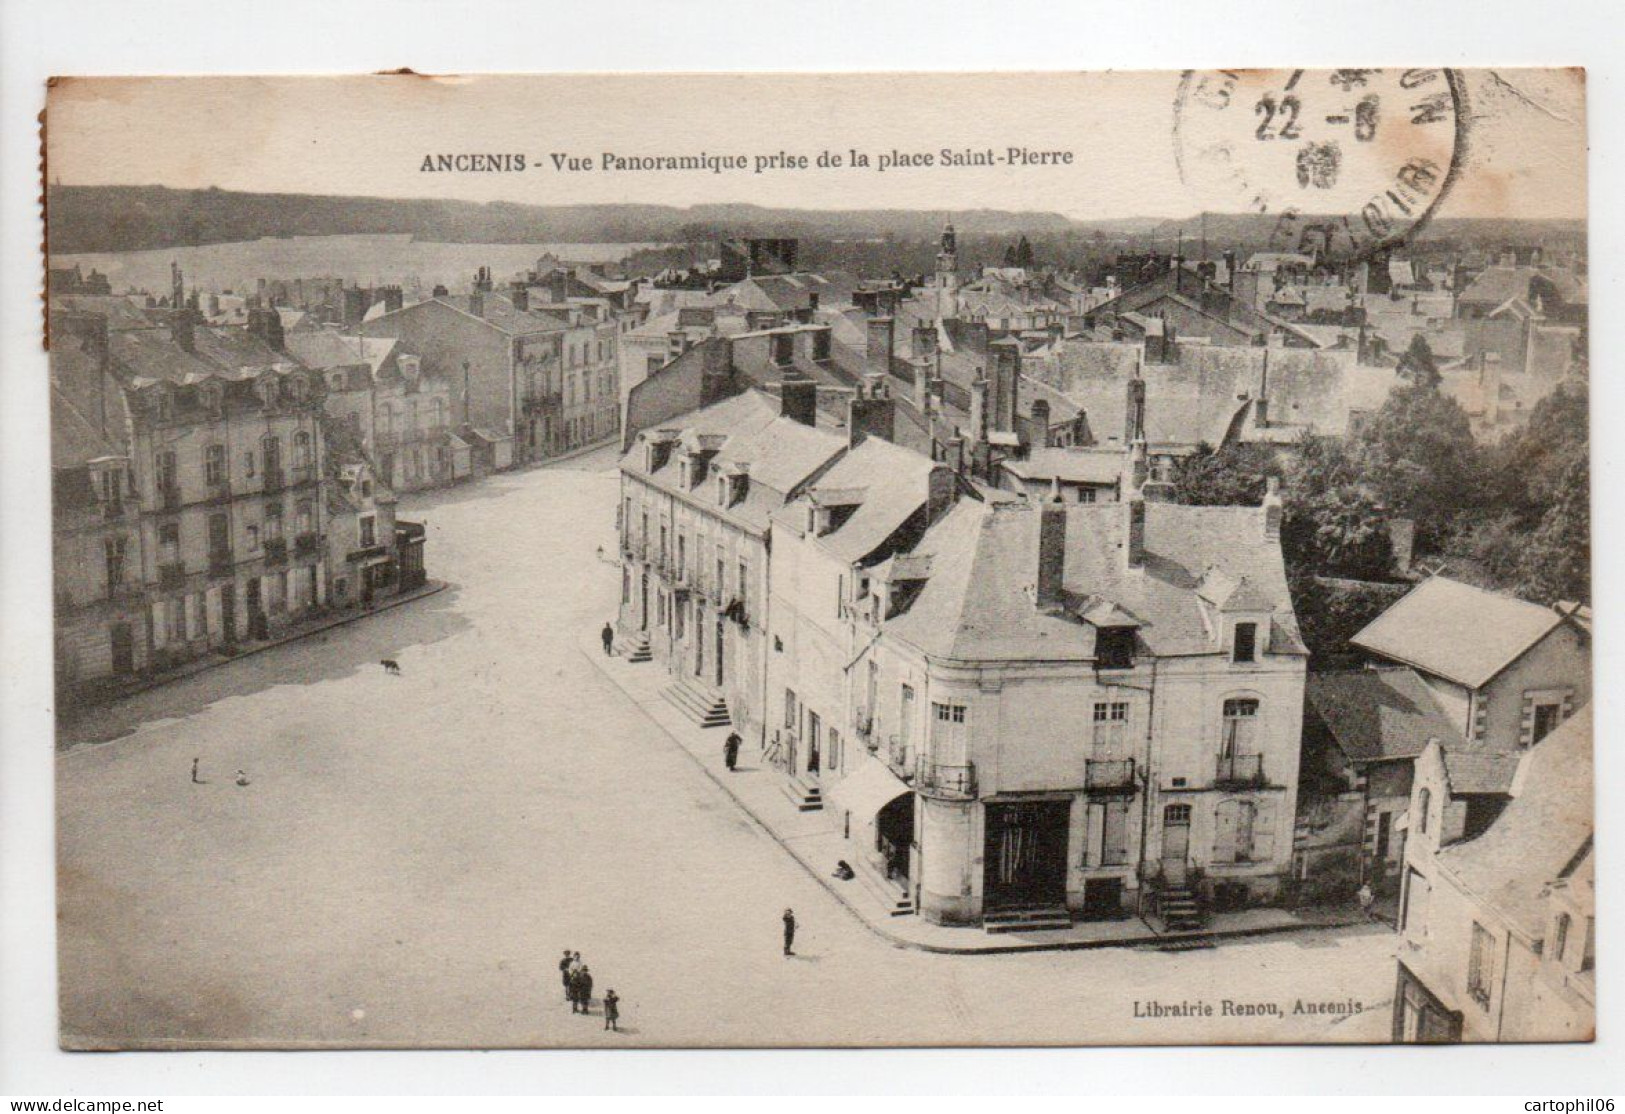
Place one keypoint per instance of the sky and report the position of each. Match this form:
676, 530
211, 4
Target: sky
368, 136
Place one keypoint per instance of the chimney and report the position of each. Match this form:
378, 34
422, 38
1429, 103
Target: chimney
519, 295
882, 334
1134, 547
1051, 556
798, 400
978, 411
272, 329
871, 412
482, 280
1134, 414
1272, 510
1004, 392
923, 342
476, 302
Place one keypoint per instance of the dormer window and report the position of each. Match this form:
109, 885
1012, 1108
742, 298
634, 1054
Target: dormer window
1114, 648
1244, 645
722, 491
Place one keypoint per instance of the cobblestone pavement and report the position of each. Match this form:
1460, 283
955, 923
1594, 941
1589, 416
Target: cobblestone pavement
411, 854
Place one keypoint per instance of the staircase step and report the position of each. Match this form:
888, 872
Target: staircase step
891, 896
1027, 920
804, 795
703, 710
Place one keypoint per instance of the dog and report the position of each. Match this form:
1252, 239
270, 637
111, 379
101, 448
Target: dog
391, 666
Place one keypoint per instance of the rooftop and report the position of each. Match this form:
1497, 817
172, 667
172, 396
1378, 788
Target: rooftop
1378, 714
1456, 631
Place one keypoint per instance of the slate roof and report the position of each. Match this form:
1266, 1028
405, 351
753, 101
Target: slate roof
1543, 829
497, 311
328, 349
1456, 631
891, 482
1084, 466
1378, 714
984, 558
120, 311
781, 454
1498, 284
77, 397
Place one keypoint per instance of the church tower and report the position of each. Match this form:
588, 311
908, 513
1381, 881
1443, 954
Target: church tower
947, 277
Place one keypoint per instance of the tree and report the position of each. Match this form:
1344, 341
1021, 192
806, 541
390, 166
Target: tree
1332, 523
1232, 476
1420, 458
1418, 365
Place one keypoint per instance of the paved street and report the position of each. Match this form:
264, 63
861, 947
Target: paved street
412, 853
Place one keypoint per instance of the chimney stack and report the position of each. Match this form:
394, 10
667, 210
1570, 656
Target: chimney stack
798, 400
1272, 510
978, 411
1051, 556
1134, 543
181, 327
923, 342
871, 411
882, 337
1004, 392
1134, 415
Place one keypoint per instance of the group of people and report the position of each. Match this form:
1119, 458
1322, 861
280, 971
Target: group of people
577, 981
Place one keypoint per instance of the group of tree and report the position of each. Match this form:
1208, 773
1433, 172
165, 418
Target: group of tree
1514, 516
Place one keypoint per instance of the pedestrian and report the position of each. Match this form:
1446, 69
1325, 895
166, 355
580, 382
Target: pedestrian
608, 637
584, 983
1367, 899
789, 932
612, 1010
564, 975
195, 780
730, 750
242, 777
572, 982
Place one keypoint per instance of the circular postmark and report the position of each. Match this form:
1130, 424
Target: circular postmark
1348, 161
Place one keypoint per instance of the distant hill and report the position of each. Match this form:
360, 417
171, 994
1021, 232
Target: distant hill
137, 218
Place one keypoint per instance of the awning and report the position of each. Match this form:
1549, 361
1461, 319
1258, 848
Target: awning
870, 787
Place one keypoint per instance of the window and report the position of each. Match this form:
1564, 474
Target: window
682, 554
169, 542
1240, 725
1481, 966
1246, 643
306, 517
271, 452
1108, 833
1424, 803
301, 450
1110, 738
253, 539
790, 709
948, 732
1560, 937
168, 480
369, 531
175, 619
248, 465
197, 613
1241, 831
114, 551
1114, 648
1413, 908
214, 465
1547, 717
273, 521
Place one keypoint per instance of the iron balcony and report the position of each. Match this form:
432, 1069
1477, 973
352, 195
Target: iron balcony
1112, 775
952, 781
1239, 771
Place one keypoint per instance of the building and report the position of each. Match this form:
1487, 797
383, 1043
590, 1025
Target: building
1363, 731
1497, 917
697, 493
228, 451
400, 414
1078, 710
874, 503
1503, 671
543, 379
101, 615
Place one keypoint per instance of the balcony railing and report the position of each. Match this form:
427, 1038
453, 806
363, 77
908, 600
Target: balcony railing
299, 476
217, 493
306, 545
169, 498
1109, 775
220, 562
171, 575
275, 480
943, 779
276, 550
1239, 770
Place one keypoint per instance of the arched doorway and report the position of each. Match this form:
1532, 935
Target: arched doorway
894, 836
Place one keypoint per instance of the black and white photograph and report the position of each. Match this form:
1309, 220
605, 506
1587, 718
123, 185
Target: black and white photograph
821, 560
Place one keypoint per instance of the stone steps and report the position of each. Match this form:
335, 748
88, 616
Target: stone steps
703, 709
891, 896
635, 647
1027, 920
804, 794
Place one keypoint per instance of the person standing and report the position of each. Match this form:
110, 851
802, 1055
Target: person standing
789, 932
730, 750
584, 989
608, 637
612, 1010
574, 986
564, 975
195, 780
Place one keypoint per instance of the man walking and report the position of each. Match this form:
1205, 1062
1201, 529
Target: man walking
584, 989
612, 1011
730, 750
608, 637
789, 932
564, 975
